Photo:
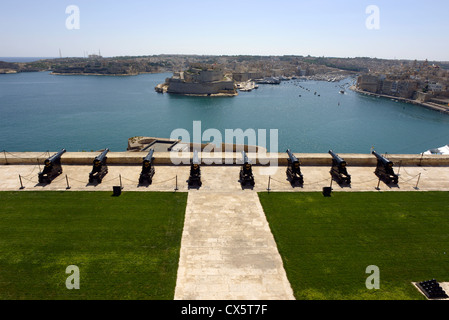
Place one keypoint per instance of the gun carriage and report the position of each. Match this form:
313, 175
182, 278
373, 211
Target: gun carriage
384, 169
293, 172
52, 168
100, 167
195, 172
147, 173
339, 171
246, 172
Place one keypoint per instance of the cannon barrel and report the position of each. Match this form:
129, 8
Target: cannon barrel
246, 172
100, 168
245, 158
293, 159
147, 169
382, 159
195, 159
337, 157
384, 169
102, 156
149, 156
56, 156
195, 172
338, 169
52, 168
293, 171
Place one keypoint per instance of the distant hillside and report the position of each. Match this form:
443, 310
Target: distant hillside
132, 65
9, 65
106, 66
100, 66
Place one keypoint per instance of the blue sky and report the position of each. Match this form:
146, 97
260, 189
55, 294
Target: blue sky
408, 29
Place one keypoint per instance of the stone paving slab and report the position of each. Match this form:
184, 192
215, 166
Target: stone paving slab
228, 251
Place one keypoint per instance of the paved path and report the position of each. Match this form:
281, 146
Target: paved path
228, 251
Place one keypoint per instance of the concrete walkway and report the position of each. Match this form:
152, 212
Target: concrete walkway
228, 251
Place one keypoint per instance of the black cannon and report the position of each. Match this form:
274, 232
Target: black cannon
384, 169
100, 167
338, 170
246, 172
293, 172
52, 168
147, 173
195, 172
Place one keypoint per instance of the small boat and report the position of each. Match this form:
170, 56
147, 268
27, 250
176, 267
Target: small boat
342, 91
440, 150
269, 80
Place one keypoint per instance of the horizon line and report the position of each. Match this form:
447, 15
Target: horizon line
233, 55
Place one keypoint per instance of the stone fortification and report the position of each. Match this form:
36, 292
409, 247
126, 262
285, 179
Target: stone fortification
201, 81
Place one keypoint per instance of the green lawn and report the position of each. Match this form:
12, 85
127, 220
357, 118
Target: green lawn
326, 243
125, 247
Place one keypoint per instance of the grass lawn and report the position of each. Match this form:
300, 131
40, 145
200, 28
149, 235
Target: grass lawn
125, 247
327, 243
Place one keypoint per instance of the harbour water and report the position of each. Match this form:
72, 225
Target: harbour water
43, 112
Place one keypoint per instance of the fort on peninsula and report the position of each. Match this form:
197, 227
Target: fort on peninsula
200, 80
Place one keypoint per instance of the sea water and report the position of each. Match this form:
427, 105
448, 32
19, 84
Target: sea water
44, 112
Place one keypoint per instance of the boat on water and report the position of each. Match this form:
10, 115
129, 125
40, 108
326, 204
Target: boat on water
342, 91
269, 80
247, 86
440, 150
